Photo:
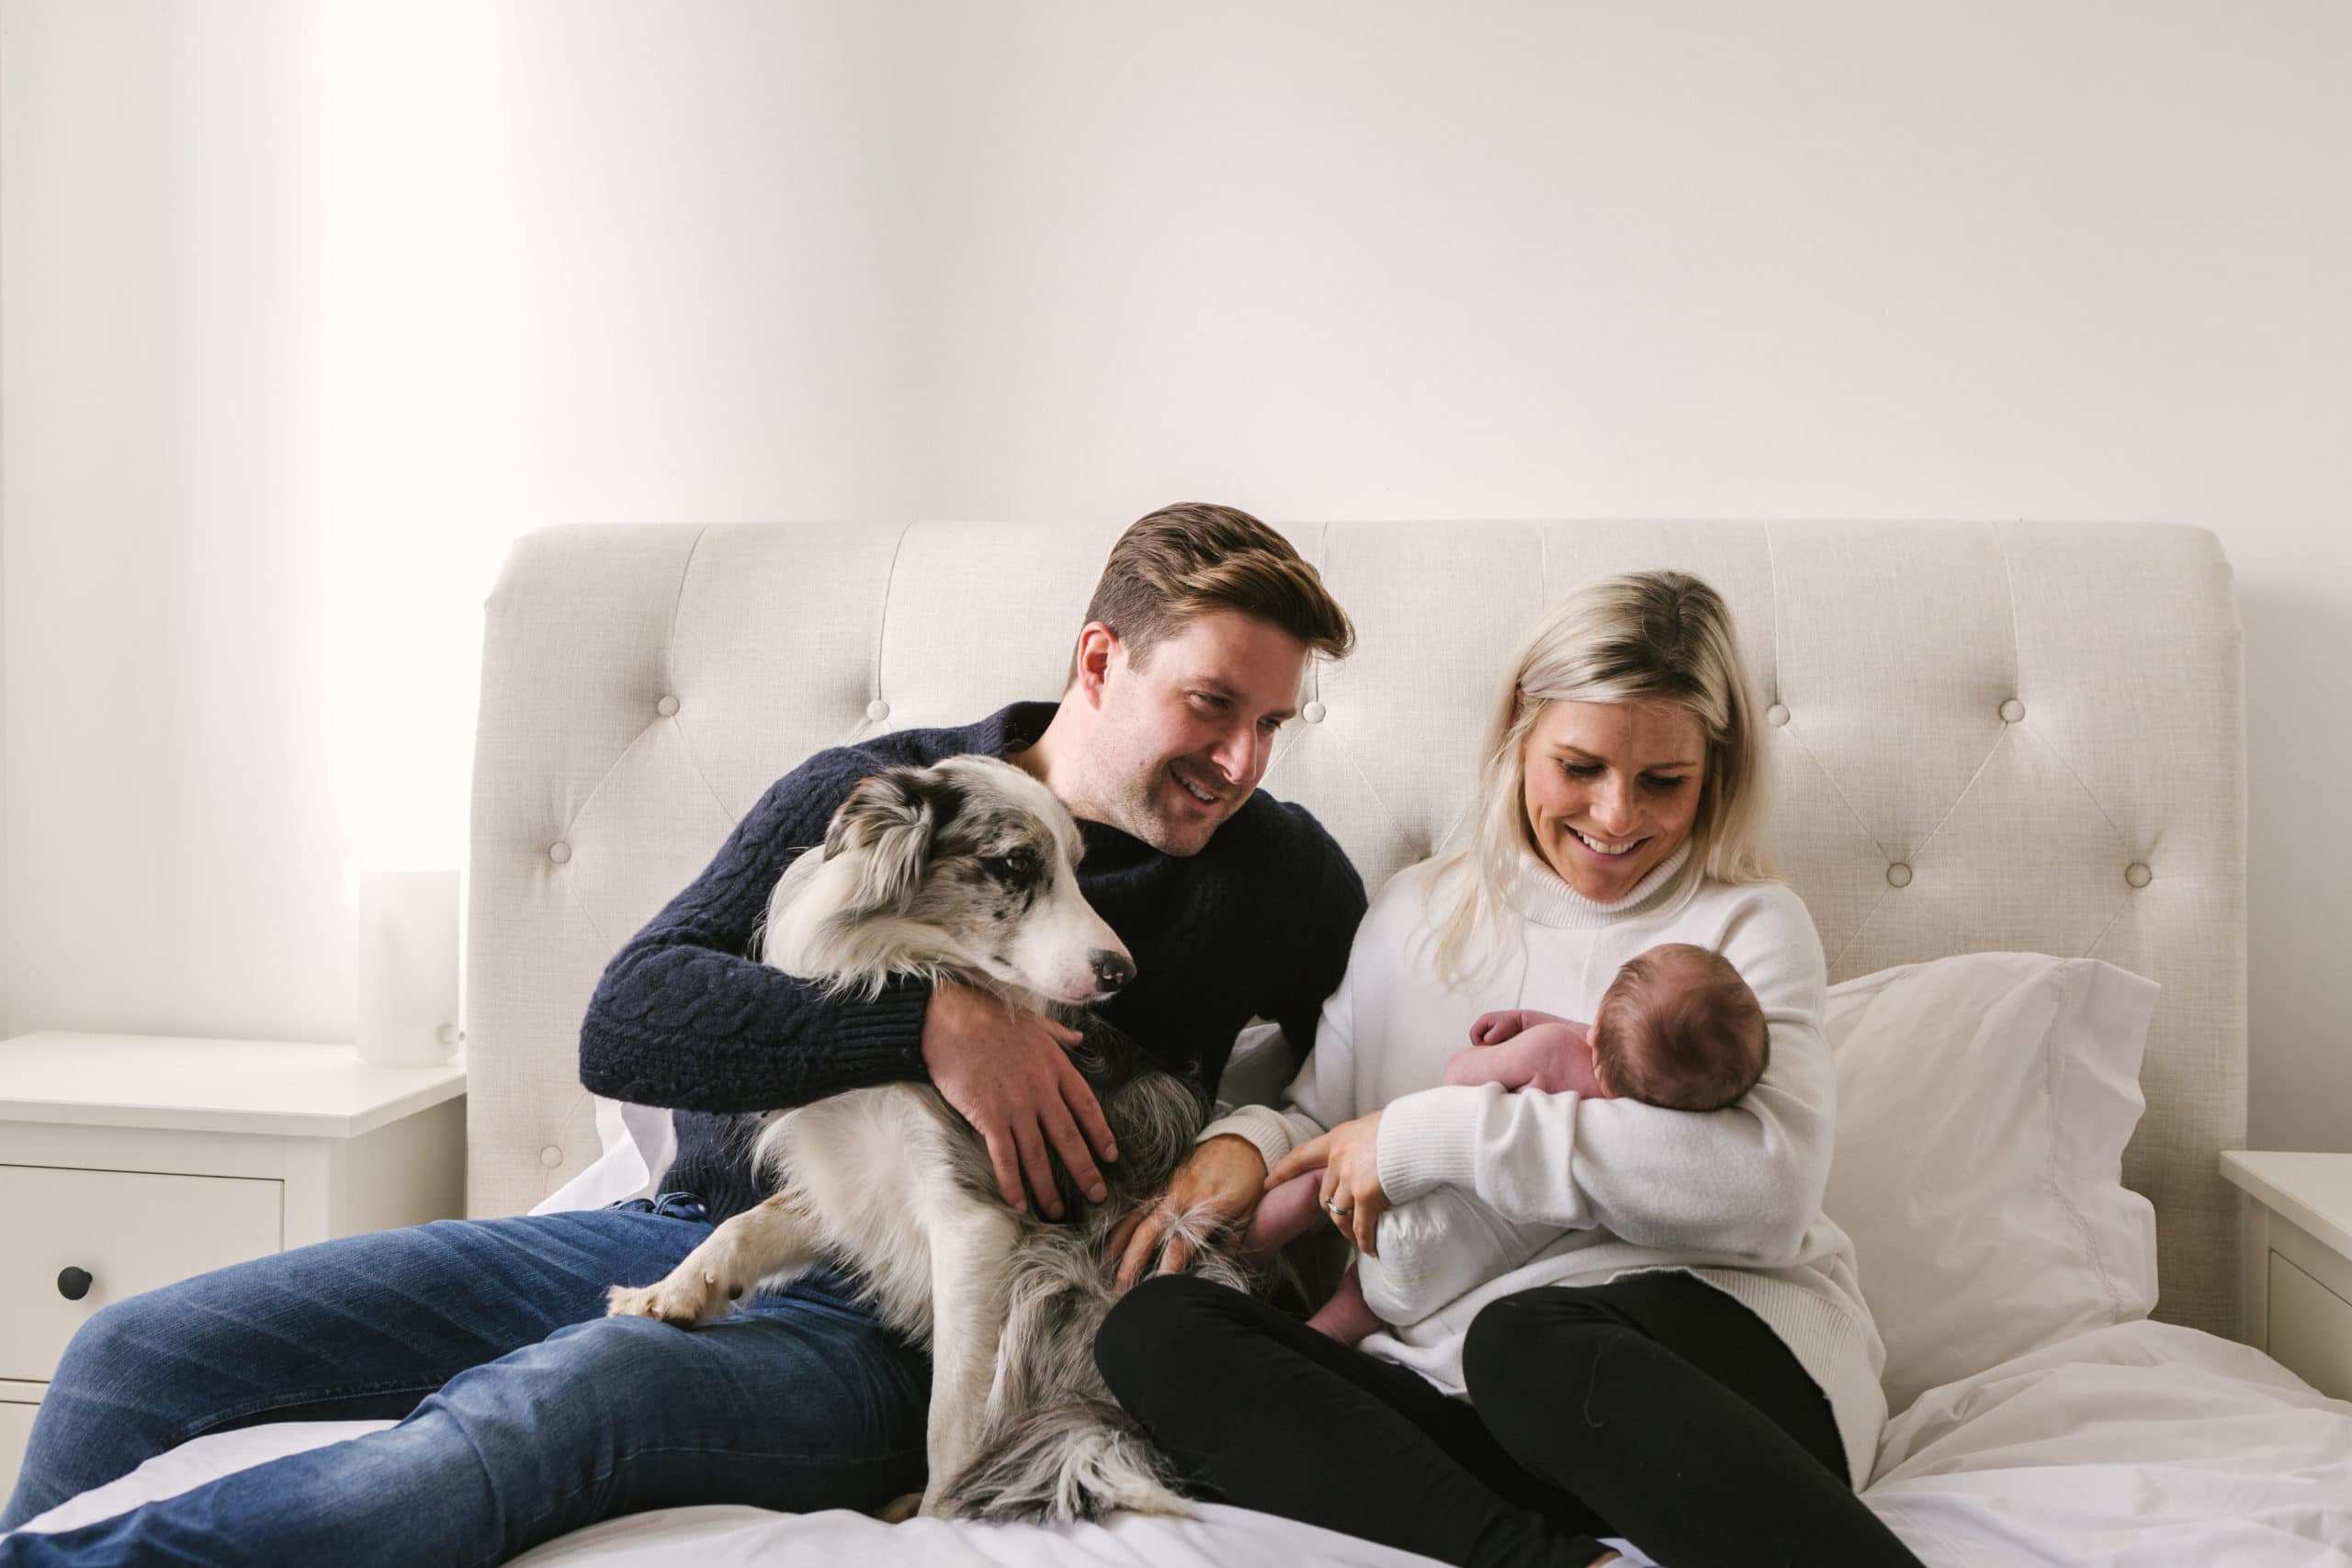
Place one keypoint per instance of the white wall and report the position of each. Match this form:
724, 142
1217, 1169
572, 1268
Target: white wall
304, 312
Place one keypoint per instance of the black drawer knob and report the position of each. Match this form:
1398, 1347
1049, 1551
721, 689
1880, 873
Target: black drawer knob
73, 1283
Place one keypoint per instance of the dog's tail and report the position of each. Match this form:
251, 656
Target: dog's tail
1081, 1460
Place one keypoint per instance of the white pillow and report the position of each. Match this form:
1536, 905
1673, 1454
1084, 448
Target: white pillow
1983, 1106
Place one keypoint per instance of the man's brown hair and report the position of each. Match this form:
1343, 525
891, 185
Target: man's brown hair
1680, 1028
1192, 559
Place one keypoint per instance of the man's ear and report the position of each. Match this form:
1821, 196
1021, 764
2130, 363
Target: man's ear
887, 821
1096, 646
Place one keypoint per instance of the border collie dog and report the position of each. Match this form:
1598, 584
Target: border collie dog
963, 871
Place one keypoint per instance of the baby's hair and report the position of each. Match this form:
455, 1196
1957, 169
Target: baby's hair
1679, 1028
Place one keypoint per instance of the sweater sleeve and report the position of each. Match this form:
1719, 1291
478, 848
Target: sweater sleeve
684, 1017
1743, 1182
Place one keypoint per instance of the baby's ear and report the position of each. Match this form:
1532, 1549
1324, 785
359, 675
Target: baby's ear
887, 821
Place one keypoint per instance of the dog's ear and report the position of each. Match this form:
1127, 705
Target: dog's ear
887, 821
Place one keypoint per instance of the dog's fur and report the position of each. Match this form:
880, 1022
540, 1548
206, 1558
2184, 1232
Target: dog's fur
963, 871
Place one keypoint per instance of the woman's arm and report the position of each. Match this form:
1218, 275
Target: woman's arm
1227, 1179
1744, 1183
1219, 1179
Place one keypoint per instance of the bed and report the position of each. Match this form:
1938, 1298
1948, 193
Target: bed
1979, 738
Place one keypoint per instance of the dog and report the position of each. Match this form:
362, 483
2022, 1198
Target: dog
963, 871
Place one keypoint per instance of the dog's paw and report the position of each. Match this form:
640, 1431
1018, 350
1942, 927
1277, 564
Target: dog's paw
898, 1510
685, 1298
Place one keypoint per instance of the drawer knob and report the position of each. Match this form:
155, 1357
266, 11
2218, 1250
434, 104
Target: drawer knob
73, 1283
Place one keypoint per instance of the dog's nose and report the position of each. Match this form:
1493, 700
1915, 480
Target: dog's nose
1113, 970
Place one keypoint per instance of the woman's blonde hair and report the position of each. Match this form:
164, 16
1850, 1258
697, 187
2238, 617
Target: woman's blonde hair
1648, 637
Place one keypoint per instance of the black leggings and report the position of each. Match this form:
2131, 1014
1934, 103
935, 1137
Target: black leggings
1655, 1408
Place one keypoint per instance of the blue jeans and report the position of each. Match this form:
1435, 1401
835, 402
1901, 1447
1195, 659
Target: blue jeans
523, 1411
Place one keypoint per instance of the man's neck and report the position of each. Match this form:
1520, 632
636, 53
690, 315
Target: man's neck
1049, 758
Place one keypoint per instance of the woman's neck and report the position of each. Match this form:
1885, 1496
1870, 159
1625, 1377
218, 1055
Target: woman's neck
1539, 893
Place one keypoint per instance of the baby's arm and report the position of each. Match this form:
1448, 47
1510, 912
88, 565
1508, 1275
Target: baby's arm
1283, 1216
1494, 1028
1537, 1051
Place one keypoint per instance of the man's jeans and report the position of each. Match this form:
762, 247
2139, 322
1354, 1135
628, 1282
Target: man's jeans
525, 1412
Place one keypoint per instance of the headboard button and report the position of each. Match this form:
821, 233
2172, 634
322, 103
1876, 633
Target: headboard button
1898, 875
877, 710
2012, 711
2136, 874
1312, 713
550, 1157
666, 706
1776, 716
559, 851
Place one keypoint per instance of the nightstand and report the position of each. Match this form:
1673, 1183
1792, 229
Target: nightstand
130, 1161
2296, 1284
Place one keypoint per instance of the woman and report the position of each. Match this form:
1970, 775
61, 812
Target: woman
1690, 1364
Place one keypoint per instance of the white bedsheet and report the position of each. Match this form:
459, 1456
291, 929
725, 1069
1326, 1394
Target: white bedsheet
2134, 1446
2138, 1445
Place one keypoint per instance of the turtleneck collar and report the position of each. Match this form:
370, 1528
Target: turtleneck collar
1538, 893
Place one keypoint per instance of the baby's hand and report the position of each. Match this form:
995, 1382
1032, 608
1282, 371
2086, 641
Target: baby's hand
1494, 1028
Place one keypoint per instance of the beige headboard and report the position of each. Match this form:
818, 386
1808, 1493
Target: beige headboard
1981, 736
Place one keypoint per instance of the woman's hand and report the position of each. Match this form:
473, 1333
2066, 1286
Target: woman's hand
1222, 1179
1348, 1157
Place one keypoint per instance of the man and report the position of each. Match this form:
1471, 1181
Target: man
527, 1412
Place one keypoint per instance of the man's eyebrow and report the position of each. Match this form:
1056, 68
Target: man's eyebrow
1580, 751
1219, 689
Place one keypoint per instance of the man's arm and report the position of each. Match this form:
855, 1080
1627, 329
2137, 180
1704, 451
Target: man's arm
1334, 909
1308, 997
684, 1018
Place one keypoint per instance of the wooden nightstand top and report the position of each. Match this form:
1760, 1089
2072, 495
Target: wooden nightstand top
214, 1086
2314, 1191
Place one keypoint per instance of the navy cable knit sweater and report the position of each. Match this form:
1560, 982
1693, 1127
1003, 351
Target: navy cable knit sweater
1258, 924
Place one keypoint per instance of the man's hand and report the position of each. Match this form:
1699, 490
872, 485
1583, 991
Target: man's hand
1005, 1070
1222, 1178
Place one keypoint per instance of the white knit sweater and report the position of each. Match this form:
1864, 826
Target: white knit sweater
1732, 1197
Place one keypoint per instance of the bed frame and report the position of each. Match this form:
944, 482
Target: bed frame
1979, 737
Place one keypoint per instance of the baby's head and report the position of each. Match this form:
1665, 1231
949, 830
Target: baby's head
1679, 1028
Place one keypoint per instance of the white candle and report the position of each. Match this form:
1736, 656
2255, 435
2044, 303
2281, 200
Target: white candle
408, 966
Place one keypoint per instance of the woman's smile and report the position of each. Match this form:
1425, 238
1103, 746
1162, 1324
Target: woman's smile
1606, 851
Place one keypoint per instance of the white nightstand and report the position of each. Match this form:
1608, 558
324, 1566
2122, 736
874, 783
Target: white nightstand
2296, 1287
130, 1161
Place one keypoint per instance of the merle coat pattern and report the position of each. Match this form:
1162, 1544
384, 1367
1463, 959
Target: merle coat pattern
963, 871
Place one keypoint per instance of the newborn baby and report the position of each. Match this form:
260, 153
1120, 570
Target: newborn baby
1677, 1028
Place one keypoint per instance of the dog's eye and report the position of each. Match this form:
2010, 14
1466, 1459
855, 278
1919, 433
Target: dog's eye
1012, 867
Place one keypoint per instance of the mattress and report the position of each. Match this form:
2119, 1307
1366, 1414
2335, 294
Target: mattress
2142, 1444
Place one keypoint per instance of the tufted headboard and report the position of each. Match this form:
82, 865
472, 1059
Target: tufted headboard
1978, 738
